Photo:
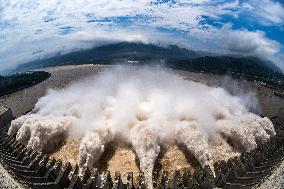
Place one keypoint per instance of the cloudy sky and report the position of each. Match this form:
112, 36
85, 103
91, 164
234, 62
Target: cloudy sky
31, 29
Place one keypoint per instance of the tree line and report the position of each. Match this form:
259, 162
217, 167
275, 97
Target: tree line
15, 82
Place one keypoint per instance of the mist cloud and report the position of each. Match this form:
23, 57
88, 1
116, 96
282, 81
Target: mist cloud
147, 107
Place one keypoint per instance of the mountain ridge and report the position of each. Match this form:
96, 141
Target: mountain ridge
144, 53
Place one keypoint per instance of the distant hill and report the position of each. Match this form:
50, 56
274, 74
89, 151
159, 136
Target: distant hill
250, 68
172, 56
223, 64
109, 54
16, 82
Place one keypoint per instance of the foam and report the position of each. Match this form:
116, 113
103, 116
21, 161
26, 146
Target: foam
146, 107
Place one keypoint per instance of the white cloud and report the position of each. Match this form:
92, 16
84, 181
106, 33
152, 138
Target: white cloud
225, 40
266, 12
29, 25
251, 43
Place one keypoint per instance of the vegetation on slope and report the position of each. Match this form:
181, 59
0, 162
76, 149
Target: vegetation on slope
113, 53
172, 56
247, 68
13, 83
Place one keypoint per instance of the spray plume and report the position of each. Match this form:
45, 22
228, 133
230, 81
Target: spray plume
147, 107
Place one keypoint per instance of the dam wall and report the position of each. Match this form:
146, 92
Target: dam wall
6, 179
6, 116
21, 167
37, 170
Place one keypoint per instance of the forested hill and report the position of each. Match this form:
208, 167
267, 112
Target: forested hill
249, 68
16, 82
223, 64
109, 54
172, 56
